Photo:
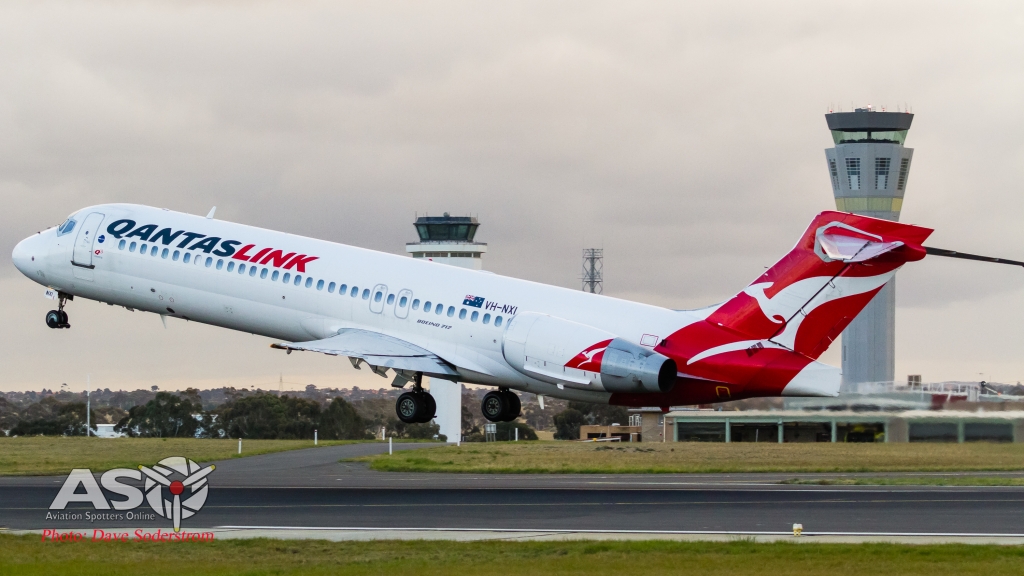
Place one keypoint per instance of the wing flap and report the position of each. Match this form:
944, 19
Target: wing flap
376, 349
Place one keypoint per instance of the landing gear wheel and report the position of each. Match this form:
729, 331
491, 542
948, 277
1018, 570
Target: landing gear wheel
429, 408
513, 408
416, 407
64, 318
494, 406
55, 318
409, 407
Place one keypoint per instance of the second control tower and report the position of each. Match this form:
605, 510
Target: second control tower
869, 168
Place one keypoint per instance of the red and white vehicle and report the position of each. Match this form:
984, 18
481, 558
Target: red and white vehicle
416, 318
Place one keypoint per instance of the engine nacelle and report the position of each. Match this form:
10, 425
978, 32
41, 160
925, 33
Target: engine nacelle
580, 356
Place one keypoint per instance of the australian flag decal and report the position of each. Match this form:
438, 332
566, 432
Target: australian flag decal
474, 301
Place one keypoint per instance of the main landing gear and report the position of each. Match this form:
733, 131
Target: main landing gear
58, 318
416, 407
501, 406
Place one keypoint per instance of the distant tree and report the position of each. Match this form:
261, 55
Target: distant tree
268, 416
601, 414
51, 417
469, 425
426, 431
255, 416
341, 421
8, 414
165, 416
301, 417
567, 424
506, 431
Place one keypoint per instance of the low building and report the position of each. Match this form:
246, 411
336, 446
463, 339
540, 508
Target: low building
800, 426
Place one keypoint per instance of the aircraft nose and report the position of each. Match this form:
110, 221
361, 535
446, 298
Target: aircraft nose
26, 252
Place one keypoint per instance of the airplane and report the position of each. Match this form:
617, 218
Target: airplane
418, 318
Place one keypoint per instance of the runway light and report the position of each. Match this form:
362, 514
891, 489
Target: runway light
798, 529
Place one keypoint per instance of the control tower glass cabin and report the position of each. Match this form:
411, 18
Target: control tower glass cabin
869, 168
448, 240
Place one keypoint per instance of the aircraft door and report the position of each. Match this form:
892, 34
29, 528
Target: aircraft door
82, 256
377, 298
403, 303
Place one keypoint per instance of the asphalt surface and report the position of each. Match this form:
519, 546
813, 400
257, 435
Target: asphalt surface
312, 489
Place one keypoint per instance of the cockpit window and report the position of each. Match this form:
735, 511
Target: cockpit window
66, 227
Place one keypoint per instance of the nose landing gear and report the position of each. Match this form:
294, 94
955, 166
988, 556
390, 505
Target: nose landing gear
58, 318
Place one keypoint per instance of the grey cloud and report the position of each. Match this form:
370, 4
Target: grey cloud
686, 138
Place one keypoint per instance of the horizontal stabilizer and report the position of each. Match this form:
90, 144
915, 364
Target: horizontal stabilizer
376, 349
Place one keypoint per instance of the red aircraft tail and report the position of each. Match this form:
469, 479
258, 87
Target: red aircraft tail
767, 334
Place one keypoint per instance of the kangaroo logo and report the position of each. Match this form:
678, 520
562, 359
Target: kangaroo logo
589, 359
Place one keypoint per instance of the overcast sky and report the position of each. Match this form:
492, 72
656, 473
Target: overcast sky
686, 138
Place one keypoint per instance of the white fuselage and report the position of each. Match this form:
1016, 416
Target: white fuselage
210, 289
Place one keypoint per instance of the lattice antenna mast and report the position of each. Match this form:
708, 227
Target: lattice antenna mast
593, 270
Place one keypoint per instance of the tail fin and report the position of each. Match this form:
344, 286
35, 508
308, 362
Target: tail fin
812, 294
763, 341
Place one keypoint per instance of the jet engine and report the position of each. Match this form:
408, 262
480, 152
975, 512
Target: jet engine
579, 356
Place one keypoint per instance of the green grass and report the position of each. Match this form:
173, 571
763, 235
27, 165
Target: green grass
910, 481
26, 555
46, 455
691, 457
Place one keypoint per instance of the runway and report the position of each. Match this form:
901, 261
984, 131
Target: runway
311, 489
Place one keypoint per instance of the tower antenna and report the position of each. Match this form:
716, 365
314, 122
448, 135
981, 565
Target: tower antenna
593, 270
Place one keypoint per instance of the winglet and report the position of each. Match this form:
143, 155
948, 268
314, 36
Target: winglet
210, 215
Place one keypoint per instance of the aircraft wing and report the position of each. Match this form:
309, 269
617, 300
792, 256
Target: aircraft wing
378, 350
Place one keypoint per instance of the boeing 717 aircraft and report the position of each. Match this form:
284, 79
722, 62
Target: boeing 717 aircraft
413, 318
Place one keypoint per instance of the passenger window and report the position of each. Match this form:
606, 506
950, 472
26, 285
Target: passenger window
497, 321
451, 311
391, 299
231, 266
330, 288
131, 247
164, 253
252, 271
487, 318
377, 296
439, 309
287, 277
298, 280
366, 293
263, 274
426, 307
274, 276
153, 251
209, 261
474, 316
241, 268
309, 281
176, 255
462, 314
319, 284
355, 291
403, 302
342, 289
188, 256
121, 244
143, 248
220, 263
415, 304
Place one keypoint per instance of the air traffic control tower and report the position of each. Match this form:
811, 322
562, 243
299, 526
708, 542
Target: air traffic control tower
869, 168
449, 240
